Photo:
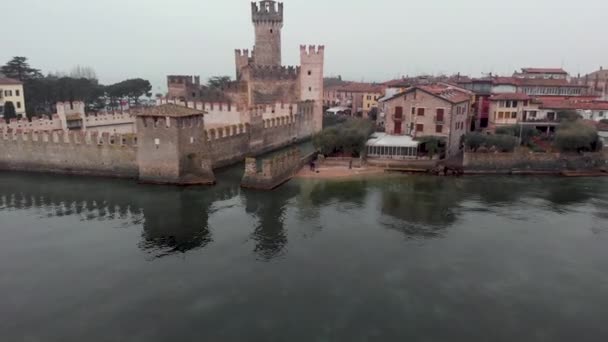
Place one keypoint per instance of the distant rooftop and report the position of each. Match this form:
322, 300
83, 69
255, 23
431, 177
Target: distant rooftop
9, 81
545, 71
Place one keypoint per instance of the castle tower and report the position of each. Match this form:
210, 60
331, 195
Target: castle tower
172, 147
268, 21
311, 80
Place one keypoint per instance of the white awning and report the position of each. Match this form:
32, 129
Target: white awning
383, 139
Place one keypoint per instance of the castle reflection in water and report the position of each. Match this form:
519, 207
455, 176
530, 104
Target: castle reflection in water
176, 220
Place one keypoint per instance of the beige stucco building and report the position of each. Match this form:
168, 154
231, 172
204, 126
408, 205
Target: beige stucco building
434, 110
12, 91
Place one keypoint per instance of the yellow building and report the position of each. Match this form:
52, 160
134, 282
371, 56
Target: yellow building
370, 100
12, 91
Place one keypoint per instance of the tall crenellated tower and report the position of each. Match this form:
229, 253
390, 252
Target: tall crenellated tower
268, 21
311, 80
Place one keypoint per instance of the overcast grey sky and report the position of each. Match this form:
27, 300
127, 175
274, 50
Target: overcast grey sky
365, 40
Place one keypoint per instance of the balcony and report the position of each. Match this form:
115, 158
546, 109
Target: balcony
546, 120
398, 117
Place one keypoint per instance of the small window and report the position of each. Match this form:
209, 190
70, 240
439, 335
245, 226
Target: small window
18, 104
271, 31
514, 115
17, 93
413, 110
309, 72
192, 140
439, 129
420, 111
419, 127
309, 88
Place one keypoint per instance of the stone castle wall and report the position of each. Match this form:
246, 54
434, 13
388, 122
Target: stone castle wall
275, 171
533, 162
71, 153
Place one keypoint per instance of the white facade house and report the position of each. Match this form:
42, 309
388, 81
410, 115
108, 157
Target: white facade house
12, 91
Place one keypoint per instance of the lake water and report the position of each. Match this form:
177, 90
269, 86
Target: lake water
406, 258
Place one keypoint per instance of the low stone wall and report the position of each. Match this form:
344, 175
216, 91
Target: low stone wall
521, 162
408, 165
71, 153
340, 161
275, 171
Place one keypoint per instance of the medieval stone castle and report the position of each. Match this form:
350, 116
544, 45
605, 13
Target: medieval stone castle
186, 136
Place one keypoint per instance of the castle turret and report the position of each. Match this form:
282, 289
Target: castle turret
268, 21
172, 147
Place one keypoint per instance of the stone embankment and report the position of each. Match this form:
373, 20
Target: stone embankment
535, 163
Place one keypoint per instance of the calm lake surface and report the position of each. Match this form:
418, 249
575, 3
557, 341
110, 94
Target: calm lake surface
407, 258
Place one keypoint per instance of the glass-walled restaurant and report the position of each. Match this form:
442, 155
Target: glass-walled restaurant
384, 146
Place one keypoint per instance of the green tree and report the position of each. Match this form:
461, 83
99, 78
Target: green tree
132, 89
527, 133
18, 68
347, 138
577, 137
474, 140
568, 115
502, 142
9, 111
218, 82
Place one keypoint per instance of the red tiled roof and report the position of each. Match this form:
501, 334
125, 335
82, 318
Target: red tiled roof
544, 70
447, 93
547, 103
506, 80
510, 96
356, 87
536, 82
9, 81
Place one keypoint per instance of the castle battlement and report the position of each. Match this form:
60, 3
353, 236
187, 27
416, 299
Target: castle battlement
274, 72
281, 121
267, 11
171, 123
226, 131
312, 53
243, 53
72, 138
183, 79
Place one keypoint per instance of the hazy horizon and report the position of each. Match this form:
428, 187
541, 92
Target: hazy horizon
365, 41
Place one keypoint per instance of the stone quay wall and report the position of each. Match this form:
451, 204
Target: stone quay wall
522, 162
70, 153
275, 171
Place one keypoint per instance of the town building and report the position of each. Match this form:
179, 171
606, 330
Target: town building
542, 73
437, 110
361, 98
482, 88
597, 82
12, 91
512, 108
541, 112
